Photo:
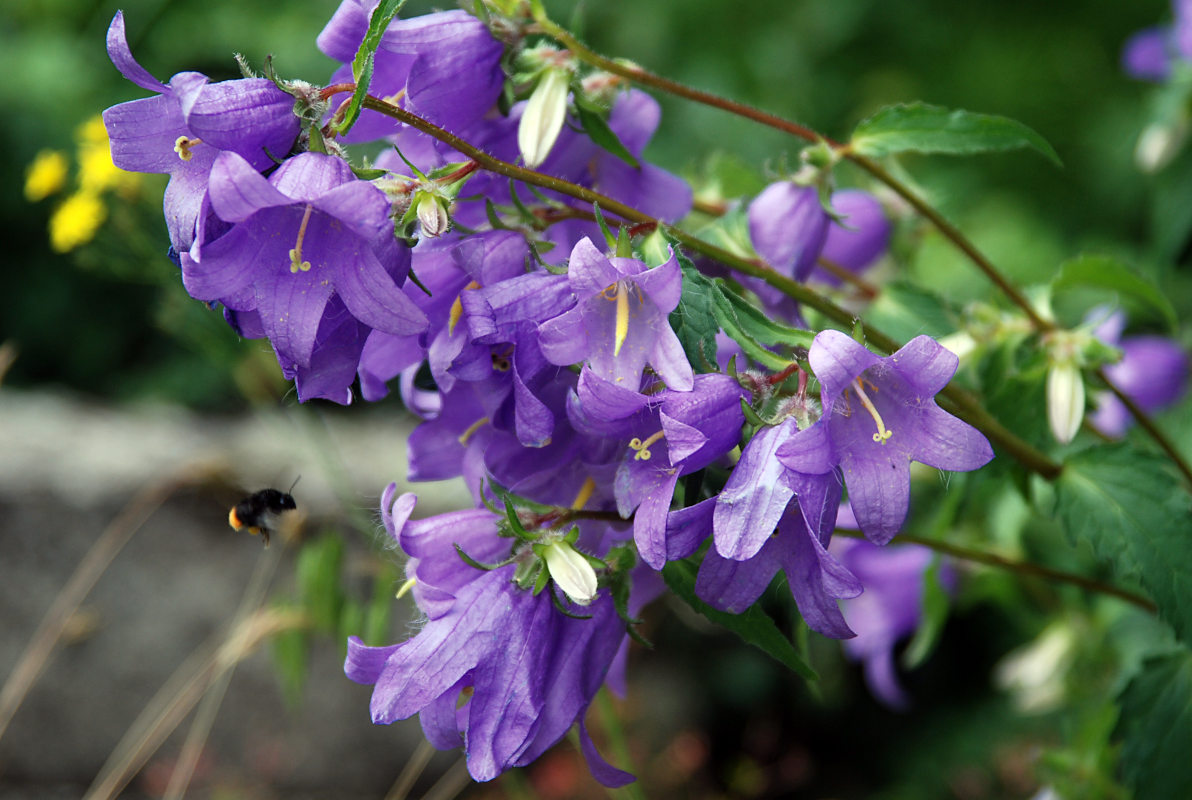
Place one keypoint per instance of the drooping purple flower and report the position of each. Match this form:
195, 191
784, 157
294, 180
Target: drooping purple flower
1151, 53
669, 435
859, 237
310, 232
619, 323
890, 608
768, 518
495, 664
444, 66
788, 227
1153, 373
181, 130
879, 414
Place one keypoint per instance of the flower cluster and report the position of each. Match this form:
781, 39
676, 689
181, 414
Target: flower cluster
540, 352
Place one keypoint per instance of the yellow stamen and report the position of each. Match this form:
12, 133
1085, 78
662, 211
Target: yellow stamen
457, 309
882, 433
396, 98
406, 587
296, 262
622, 327
584, 495
182, 147
643, 448
475, 426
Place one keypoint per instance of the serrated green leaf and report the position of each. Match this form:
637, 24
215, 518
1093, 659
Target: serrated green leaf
923, 128
1156, 727
1106, 272
693, 320
754, 626
362, 64
760, 327
600, 133
1134, 514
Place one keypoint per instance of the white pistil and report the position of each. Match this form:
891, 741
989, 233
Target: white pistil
621, 331
405, 587
882, 433
182, 146
643, 448
296, 262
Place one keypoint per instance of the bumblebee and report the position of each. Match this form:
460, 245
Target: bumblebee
258, 512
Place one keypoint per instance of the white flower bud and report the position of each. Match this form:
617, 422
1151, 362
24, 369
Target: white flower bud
1065, 400
1158, 144
571, 572
543, 117
432, 215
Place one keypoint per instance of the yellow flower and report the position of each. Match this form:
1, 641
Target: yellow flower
45, 176
97, 173
76, 221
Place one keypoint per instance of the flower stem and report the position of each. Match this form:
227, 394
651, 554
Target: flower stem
967, 408
1021, 567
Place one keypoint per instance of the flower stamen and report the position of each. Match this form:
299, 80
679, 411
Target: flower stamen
457, 309
584, 495
296, 262
643, 448
882, 432
182, 146
406, 587
475, 426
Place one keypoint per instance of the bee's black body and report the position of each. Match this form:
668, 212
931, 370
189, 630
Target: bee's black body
257, 512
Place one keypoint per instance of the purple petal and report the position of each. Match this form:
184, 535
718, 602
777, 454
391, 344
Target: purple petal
862, 233
589, 271
687, 528
787, 227
371, 295
925, 364
649, 523
663, 284
733, 585
291, 307
810, 451
1145, 55
601, 770
816, 579
238, 191
945, 442
564, 339
344, 32
754, 498
879, 492
364, 664
122, 57
682, 440
836, 359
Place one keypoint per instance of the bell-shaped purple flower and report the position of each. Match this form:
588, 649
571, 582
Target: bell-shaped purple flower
879, 415
788, 227
495, 664
859, 237
619, 323
181, 130
1153, 373
311, 232
444, 67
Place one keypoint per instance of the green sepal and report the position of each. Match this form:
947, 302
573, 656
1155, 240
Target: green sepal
494, 219
471, 562
413, 278
624, 247
591, 117
368, 173
609, 239
751, 416
562, 609
541, 581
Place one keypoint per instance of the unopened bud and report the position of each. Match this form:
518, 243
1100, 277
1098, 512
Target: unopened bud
1065, 400
432, 214
571, 572
1158, 144
543, 117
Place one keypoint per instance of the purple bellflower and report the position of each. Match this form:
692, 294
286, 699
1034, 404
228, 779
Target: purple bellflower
619, 323
1153, 373
890, 609
788, 227
309, 233
181, 130
859, 237
444, 67
1151, 54
768, 518
495, 668
879, 415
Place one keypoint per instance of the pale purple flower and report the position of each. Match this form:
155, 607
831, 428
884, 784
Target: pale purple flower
788, 227
859, 237
1153, 372
496, 667
183, 128
619, 323
879, 414
310, 232
1151, 54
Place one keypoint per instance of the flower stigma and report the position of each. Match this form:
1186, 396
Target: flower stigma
882, 432
296, 262
643, 448
475, 426
457, 309
406, 587
584, 494
182, 146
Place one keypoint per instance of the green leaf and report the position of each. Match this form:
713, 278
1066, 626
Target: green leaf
1106, 272
904, 310
752, 322
1134, 514
291, 652
380, 607
318, 574
754, 625
1156, 727
693, 320
922, 128
599, 132
362, 64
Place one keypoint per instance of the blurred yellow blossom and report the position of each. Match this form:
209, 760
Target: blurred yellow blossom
97, 173
46, 175
76, 221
